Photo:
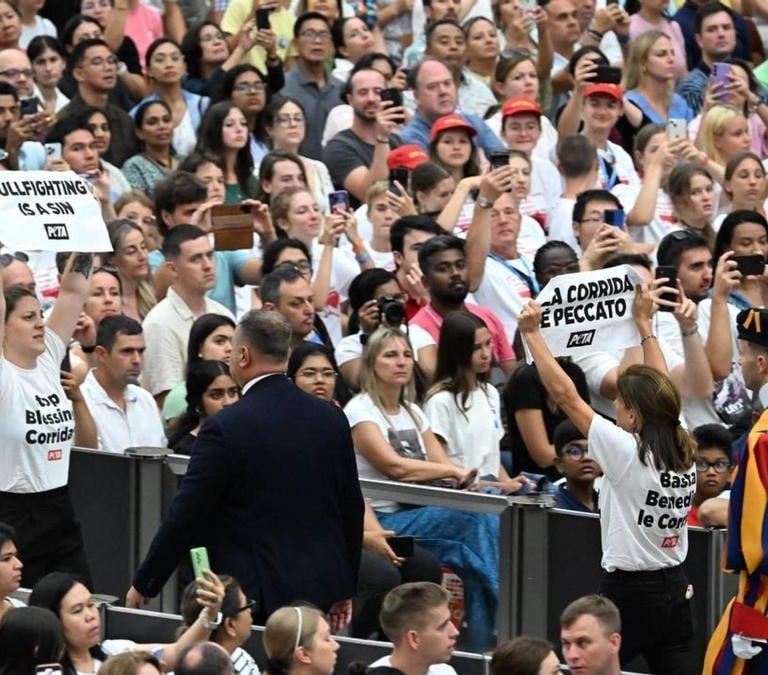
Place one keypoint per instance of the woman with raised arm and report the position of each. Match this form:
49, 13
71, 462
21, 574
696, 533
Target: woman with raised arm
650, 480
38, 424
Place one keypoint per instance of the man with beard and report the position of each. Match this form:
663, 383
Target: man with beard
125, 414
443, 261
357, 157
17, 133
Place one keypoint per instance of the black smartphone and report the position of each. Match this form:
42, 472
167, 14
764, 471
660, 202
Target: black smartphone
499, 158
339, 201
262, 19
401, 176
614, 218
607, 75
750, 264
402, 546
29, 106
66, 363
396, 96
667, 272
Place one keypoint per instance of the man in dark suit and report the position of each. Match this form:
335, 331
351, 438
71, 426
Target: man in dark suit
271, 489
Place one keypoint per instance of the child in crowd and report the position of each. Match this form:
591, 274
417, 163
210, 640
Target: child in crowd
572, 460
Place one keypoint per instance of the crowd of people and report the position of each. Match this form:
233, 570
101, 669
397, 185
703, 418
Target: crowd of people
330, 223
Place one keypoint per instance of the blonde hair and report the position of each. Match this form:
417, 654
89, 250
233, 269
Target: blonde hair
713, 126
369, 382
145, 291
380, 187
280, 206
638, 55
287, 629
128, 663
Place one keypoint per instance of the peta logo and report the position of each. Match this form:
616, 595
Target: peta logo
54, 455
56, 231
581, 338
669, 542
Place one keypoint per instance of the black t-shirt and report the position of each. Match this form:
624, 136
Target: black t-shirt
524, 391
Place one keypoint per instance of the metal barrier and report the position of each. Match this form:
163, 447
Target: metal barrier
547, 557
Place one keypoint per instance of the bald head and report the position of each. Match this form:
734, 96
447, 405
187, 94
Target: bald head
16, 69
435, 90
204, 658
17, 273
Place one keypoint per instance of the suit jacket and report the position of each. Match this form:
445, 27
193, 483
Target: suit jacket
272, 491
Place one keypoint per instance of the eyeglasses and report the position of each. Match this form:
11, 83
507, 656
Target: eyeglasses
591, 221
311, 34
575, 452
212, 37
161, 58
14, 73
312, 373
100, 61
682, 235
249, 604
720, 466
302, 266
517, 53
245, 87
289, 120
7, 258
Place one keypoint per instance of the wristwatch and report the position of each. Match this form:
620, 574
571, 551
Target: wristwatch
484, 203
207, 623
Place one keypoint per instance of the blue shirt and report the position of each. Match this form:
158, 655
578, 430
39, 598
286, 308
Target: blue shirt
564, 499
692, 88
678, 108
417, 132
228, 264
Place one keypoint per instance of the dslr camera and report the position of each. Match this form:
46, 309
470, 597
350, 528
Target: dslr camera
391, 311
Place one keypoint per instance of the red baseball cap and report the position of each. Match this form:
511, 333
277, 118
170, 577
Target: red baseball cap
447, 122
612, 90
517, 105
406, 157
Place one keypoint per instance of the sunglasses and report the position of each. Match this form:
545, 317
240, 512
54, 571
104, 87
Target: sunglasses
7, 258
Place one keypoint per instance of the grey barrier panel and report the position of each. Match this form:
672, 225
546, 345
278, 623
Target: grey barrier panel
571, 568
147, 627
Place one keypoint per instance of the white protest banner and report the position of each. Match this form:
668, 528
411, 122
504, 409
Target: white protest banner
589, 312
50, 211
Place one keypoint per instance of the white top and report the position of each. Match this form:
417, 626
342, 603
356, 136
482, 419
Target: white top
434, 669
546, 188
344, 268
531, 237
37, 423
339, 119
185, 136
561, 223
243, 662
140, 425
643, 511
663, 221
42, 26
546, 145
472, 436
166, 335
399, 430
350, 347
625, 168
505, 291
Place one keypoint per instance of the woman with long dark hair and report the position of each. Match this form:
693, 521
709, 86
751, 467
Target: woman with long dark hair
246, 87
154, 129
73, 604
463, 409
224, 133
30, 637
650, 478
525, 656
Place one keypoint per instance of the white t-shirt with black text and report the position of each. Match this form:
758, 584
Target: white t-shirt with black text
643, 511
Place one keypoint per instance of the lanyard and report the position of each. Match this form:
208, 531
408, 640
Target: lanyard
612, 178
527, 277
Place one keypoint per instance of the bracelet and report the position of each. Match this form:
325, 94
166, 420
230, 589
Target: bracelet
88, 350
484, 203
382, 140
647, 337
358, 248
207, 623
362, 258
595, 34
622, 39
692, 331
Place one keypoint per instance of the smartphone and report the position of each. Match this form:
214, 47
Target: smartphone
499, 158
199, 561
396, 96
750, 264
66, 362
339, 201
49, 669
721, 73
29, 106
402, 546
607, 75
401, 176
668, 272
262, 19
677, 129
614, 218
529, 7
232, 227
53, 150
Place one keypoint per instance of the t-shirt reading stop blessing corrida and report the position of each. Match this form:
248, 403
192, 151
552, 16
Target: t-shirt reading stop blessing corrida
37, 423
643, 511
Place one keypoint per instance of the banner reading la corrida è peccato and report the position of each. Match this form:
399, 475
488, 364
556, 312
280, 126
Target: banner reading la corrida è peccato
589, 311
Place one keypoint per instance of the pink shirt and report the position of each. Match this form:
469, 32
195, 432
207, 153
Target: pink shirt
428, 319
143, 25
638, 25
